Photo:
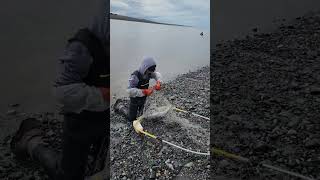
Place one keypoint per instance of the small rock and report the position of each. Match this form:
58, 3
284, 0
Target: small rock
234, 117
2, 170
266, 162
50, 133
280, 46
172, 97
7, 154
255, 29
292, 132
287, 114
16, 175
170, 166
223, 163
312, 143
291, 162
275, 121
315, 90
176, 164
152, 173
293, 122
190, 164
14, 105
11, 112
261, 146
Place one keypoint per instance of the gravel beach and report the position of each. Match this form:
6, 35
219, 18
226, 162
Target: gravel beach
140, 157
264, 105
265, 101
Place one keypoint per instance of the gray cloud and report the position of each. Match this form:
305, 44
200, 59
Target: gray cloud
187, 12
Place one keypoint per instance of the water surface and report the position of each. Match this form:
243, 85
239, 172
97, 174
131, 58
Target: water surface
176, 49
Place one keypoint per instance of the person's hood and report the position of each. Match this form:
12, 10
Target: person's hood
100, 23
146, 63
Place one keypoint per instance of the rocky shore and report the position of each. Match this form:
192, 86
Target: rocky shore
264, 105
140, 157
265, 101
132, 156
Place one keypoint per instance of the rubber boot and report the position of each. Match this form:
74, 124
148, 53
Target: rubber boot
28, 131
48, 159
120, 108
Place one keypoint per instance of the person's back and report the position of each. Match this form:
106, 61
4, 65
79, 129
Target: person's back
82, 89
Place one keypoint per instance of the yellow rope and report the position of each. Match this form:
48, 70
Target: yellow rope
148, 134
180, 110
229, 155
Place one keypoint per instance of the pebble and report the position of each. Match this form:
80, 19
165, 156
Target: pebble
16, 175
152, 173
50, 133
2, 170
14, 105
11, 112
315, 90
293, 122
261, 146
172, 98
292, 132
190, 164
312, 143
223, 163
169, 165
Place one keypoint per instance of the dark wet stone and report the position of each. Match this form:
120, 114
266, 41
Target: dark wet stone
293, 121
16, 175
11, 112
310, 143
292, 132
315, 90
14, 105
224, 163
50, 133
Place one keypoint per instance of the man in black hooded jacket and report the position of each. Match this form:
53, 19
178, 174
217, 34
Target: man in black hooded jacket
82, 89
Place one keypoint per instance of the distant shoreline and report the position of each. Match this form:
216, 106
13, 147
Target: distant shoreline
127, 18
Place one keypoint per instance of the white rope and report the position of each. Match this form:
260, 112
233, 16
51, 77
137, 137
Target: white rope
264, 165
201, 116
287, 172
184, 149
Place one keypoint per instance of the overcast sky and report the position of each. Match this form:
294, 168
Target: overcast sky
185, 12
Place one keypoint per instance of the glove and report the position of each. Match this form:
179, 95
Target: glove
137, 126
157, 86
105, 93
147, 92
